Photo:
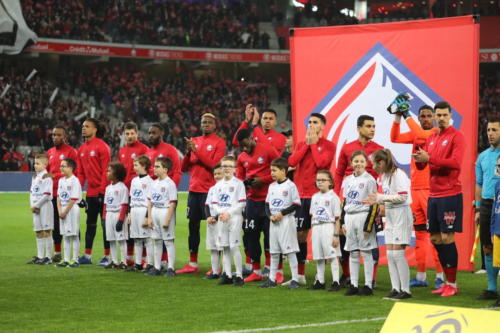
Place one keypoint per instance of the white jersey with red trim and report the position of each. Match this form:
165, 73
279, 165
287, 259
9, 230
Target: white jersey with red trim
139, 190
162, 193
281, 196
396, 183
69, 189
325, 207
355, 189
116, 196
40, 187
228, 196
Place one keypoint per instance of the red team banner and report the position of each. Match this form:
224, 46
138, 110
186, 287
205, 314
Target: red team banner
346, 71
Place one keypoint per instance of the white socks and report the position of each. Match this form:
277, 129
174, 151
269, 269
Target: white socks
226, 262
320, 274
421, 276
294, 265
393, 270
40, 242
123, 250
48, 247
238, 263
114, 252
368, 261
403, 269
158, 250
354, 267
150, 251
169, 244
215, 261
76, 247
138, 244
67, 248
275, 260
334, 264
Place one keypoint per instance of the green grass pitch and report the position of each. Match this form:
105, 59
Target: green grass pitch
47, 299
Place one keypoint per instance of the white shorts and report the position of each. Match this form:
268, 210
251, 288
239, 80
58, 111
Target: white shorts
211, 237
70, 225
45, 219
137, 218
399, 222
111, 233
355, 239
159, 232
283, 236
229, 233
322, 239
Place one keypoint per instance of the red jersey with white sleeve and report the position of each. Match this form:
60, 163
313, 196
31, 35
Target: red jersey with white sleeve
308, 159
209, 151
446, 152
94, 156
255, 165
126, 157
56, 155
277, 140
344, 168
164, 149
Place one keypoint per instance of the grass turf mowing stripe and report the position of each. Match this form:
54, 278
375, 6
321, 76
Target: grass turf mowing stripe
288, 327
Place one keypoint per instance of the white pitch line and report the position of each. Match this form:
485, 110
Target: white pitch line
288, 327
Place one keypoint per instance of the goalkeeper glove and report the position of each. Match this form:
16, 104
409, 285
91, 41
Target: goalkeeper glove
119, 226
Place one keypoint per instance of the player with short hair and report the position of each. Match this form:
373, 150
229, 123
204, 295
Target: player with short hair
325, 220
359, 222
264, 133
486, 179
253, 167
42, 211
94, 156
398, 215
366, 133
203, 153
69, 194
57, 154
228, 202
114, 212
137, 218
126, 155
313, 154
281, 203
211, 234
419, 189
443, 151
162, 201
159, 148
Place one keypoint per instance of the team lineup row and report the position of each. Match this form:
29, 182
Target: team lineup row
255, 195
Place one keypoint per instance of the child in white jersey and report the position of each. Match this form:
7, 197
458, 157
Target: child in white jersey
137, 218
43, 214
325, 220
114, 212
228, 202
69, 194
211, 237
399, 220
359, 221
162, 202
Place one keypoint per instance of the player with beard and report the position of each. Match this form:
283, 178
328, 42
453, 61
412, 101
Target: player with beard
159, 148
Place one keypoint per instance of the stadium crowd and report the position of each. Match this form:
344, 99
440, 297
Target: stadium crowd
152, 22
26, 117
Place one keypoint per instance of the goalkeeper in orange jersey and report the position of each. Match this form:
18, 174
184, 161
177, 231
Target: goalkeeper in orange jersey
417, 136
